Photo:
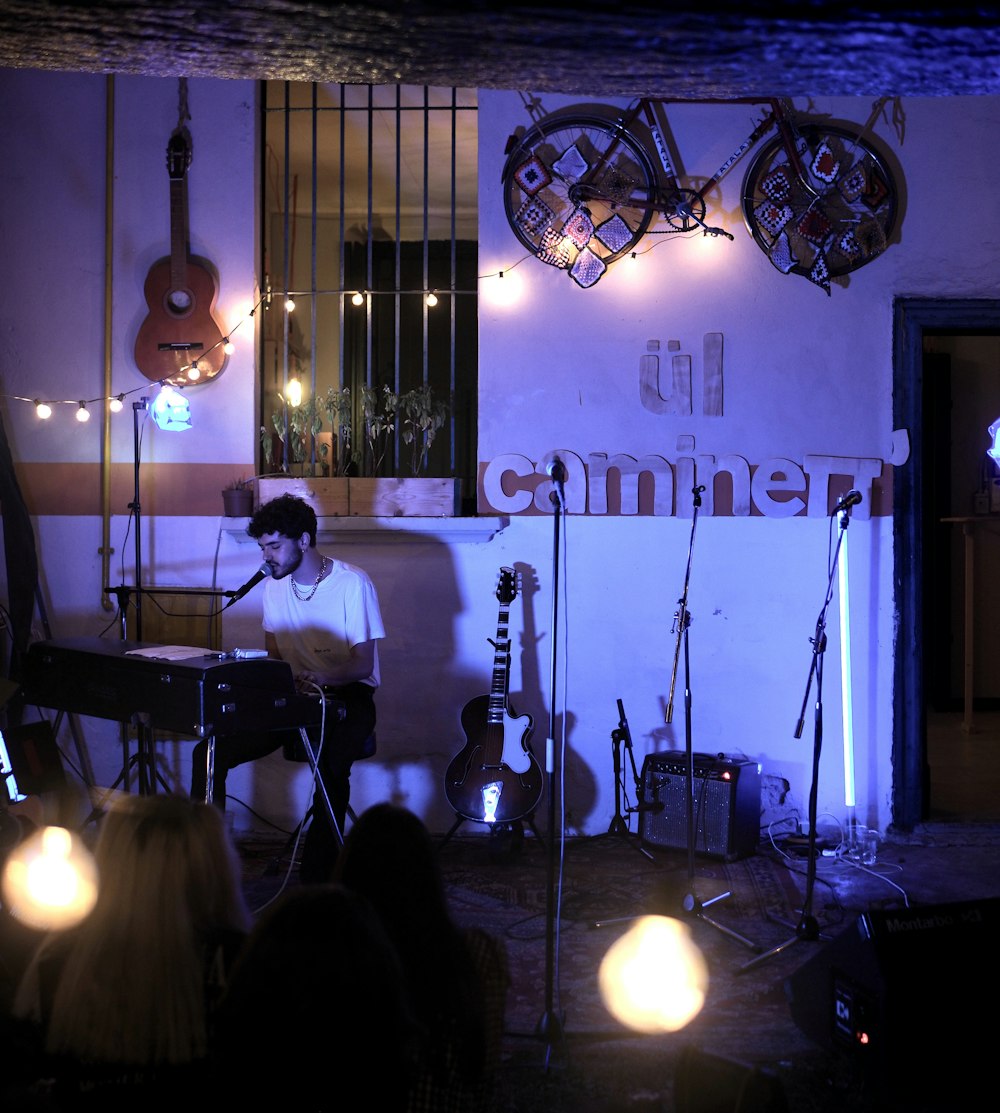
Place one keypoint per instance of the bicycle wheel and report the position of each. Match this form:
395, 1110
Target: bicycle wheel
840, 217
577, 193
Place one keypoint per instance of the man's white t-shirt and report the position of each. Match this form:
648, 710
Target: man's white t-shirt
312, 634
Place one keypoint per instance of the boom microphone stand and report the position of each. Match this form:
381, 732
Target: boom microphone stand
620, 736
807, 928
682, 622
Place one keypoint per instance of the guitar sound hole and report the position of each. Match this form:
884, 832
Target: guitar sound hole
180, 302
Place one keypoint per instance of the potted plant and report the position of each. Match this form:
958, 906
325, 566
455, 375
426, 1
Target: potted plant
416, 416
237, 498
349, 481
295, 428
420, 418
378, 417
298, 432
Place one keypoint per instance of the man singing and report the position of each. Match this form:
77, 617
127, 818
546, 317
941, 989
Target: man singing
322, 616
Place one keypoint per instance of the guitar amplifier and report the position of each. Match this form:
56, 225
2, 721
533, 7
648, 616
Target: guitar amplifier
725, 797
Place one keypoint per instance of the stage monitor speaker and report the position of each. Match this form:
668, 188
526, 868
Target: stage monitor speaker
725, 798
902, 994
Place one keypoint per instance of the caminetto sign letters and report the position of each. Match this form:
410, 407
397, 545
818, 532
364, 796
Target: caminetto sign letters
653, 485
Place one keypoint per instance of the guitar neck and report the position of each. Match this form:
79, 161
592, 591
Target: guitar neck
178, 233
501, 668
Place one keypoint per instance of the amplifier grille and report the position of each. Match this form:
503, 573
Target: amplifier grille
725, 799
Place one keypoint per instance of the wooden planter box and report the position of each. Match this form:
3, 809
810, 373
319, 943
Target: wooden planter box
407, 497
327, 496
410, 496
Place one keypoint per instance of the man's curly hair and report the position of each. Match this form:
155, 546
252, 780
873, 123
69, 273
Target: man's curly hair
288, 515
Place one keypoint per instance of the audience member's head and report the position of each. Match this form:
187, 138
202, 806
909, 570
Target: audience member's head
316, 1007
390, 857
128, 985
457, 980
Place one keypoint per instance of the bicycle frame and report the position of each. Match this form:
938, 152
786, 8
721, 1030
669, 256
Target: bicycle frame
581, 189
776, 119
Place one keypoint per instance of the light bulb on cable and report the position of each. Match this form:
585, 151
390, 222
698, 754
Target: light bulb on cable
116, 404
43, 410
289, 305
194, 372
49, 881
228, 346
293, 392
432, 299
83, 414
654, 977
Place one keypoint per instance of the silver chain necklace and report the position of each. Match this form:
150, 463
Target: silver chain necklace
297, 591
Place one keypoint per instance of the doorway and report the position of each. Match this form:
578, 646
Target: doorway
942, 769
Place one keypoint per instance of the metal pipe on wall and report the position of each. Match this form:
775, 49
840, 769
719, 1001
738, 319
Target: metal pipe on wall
109, 191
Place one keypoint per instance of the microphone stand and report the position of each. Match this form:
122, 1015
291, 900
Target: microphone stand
682, 622
620, 736
550, 1027
807, 928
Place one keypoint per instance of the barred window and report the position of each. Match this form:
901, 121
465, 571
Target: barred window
369, 254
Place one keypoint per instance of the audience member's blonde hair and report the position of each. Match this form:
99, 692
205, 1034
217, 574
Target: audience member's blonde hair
130, 981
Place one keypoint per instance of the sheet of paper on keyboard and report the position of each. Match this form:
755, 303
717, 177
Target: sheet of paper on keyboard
168, 652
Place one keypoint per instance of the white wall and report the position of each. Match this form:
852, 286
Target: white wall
805, 374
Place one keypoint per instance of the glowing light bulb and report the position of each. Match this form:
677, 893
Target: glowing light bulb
289, 305
294, 392
194, 372
358, 298
43, 410
116, 404
83, 414
432, 299
504, 289
50, 880
228, 346
654, 977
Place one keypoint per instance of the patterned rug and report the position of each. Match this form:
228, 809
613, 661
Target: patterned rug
565, 1053
600, 885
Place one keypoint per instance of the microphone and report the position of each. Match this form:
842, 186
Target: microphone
261, 574
852, 498
556, 470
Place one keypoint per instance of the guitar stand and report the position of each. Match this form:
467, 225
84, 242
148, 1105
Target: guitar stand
460, 819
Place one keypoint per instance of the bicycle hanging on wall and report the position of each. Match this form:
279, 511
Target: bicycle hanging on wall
581, 191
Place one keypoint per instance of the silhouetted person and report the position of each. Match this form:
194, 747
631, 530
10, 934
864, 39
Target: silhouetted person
315, 1013
457, 978
123, 1001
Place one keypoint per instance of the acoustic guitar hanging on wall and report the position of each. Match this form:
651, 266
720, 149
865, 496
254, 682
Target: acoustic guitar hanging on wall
179, 341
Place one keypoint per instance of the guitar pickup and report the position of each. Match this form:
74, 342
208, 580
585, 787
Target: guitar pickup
180, 346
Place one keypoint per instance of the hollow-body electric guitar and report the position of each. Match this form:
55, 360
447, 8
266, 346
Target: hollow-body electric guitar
180, 332
496, 778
